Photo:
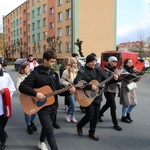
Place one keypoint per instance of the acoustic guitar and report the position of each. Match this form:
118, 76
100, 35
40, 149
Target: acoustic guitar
31, 104
86, 97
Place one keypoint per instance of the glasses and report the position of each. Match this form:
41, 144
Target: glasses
115, 61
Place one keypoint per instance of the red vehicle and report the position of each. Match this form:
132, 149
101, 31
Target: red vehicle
138, 62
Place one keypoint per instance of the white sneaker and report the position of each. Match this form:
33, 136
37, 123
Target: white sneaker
73, 119
67, 118
42, 146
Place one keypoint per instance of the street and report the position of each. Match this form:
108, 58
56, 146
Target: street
134, 136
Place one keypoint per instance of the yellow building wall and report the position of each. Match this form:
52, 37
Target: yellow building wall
62, 8
97, 23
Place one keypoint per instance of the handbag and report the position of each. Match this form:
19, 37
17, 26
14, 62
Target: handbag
131, 86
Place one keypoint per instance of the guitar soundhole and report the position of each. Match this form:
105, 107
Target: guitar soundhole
40, 103
92, 94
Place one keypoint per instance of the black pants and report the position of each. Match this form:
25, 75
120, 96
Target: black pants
67, 102
46, 118
91, 115
3, 122
110, 102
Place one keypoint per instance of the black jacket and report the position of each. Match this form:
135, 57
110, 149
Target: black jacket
38, 78
88, 74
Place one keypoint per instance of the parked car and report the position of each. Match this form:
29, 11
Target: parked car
147, 64
18, 62
82, 60
3, 61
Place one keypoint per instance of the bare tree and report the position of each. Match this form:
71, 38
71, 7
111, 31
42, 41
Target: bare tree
35, 48
53, 42
19, 47
79, 44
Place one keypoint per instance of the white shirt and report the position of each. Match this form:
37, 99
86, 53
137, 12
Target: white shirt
6, 82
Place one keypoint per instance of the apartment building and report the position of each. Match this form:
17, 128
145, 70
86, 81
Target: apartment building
28, 26
1, 45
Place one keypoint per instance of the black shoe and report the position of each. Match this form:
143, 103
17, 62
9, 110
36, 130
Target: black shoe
129, 117
56, 126
100, 119
2, 145
6, 135
29, 129
124, 119
79, 131
94, 136
34, 128
117, 127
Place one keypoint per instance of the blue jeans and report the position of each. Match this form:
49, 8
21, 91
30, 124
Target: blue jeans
29, 118
71, 109
127, 109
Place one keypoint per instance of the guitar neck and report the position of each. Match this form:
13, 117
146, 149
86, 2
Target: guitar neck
105, 81
60, 91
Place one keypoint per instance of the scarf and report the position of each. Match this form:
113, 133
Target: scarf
7, 106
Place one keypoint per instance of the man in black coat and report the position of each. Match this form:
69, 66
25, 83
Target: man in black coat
44, 75
89, 73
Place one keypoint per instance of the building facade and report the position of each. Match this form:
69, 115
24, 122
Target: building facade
27, 27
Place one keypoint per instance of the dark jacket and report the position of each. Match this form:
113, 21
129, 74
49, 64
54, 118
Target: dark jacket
38, 78
88, 74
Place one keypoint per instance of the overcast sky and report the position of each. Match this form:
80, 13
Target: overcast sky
133, 17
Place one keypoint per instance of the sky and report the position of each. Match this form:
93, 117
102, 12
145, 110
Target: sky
133, 18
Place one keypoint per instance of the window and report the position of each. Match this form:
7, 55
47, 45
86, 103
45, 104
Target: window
39, 37
29, 28
17, 32
59, 16
51, 25
68, 47
44, 35
24, 11
24, 22
28, 39
68, 13
17, 22
59, 48
33, 38
38, 11
24, 33
28, 5
59, 31
68, 30
28, 16
20, 20
20, 30
39, 24
51, 10
39, 49
32, 2
59, 2
33, 26
44, 22
33, 14
44, 8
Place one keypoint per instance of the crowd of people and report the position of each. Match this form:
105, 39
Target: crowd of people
32, 76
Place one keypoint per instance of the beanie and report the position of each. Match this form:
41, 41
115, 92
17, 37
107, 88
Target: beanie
90, 58
112, 58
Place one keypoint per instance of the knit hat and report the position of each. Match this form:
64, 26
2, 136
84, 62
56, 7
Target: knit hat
90, 58
112, 58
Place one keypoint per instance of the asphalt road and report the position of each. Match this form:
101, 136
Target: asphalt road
134, 136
